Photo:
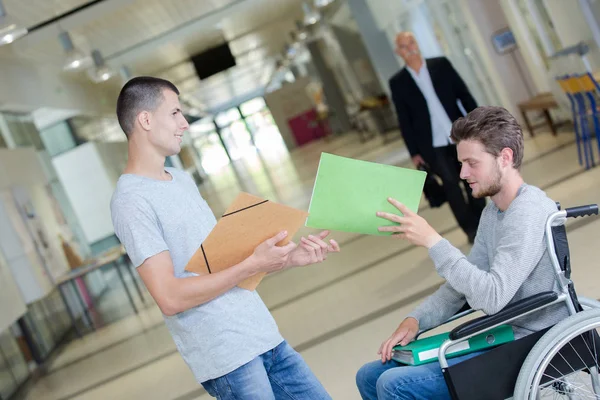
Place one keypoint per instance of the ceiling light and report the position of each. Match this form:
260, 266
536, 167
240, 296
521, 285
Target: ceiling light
311, 16
323, 3
301, 34
101, 72
75, 58
9, 31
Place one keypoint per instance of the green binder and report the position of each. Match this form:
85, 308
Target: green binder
426, 350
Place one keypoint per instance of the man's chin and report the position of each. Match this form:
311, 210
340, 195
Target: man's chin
173, 152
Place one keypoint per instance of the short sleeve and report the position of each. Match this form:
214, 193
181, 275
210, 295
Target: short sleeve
138, 229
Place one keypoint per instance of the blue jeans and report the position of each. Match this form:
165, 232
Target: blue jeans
280, 373
393, 380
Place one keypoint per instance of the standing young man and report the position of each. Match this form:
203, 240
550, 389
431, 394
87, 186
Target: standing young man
508, 262
225, 334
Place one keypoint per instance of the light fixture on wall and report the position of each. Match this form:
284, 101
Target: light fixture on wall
75, 59
311, 16
9, 30
101, 72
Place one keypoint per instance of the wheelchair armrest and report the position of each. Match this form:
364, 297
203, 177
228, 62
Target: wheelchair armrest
463, 312
511, 311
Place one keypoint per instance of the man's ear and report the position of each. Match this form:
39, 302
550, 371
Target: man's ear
506, 156
144, 118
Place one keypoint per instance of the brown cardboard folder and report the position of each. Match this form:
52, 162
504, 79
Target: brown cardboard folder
247, 222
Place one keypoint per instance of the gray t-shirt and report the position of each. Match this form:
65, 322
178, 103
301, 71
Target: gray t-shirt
151, 216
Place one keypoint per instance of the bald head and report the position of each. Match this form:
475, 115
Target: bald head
405, 35
408, 48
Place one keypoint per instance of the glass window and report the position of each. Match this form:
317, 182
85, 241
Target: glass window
14, 357
252, 106
22, 130
227, 117
8, 385
212, 154
201, 127
58, 139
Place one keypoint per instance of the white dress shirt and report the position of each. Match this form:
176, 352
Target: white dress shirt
440, 122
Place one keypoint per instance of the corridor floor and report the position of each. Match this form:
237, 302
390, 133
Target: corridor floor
336, 313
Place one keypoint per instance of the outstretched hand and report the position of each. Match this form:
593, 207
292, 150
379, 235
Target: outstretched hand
412, 227
312, 250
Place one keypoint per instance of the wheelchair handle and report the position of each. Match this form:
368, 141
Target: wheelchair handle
582, 211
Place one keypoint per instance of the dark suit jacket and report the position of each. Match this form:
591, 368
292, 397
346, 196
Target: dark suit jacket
411, 107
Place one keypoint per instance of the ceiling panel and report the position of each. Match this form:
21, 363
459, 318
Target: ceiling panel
32, 12
157, 37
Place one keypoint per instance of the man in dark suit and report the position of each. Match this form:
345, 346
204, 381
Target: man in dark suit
425, 94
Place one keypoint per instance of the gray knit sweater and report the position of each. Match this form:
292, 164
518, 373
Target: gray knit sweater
509, 261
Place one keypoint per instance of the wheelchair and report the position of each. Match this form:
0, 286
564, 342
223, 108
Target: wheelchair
561, 361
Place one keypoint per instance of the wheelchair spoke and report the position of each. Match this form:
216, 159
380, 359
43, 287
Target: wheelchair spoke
563, 357
595, 353
573, 388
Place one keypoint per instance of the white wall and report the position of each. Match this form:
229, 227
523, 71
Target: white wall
529, 50
114, 156
287, 102
20, 252
24, 167
12, 305
571, 27
485, 18
28, 171
89, 186
28, 182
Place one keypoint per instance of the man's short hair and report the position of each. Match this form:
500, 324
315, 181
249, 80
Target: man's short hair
495, 128
142, 93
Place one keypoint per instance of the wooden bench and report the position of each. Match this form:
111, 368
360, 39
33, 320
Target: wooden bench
542, 102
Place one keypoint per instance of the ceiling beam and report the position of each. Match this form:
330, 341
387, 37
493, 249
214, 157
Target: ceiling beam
63, 15
70, 20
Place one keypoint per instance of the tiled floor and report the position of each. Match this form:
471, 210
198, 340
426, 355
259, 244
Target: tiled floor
337, 313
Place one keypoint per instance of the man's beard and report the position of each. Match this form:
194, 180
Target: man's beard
493, 188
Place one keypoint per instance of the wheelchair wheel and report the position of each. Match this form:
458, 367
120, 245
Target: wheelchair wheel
564, 362
588, 303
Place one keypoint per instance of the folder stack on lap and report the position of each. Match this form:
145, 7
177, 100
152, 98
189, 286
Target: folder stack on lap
426, 350
247, 222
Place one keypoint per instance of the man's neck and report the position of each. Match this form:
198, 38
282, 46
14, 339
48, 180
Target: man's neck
416, 65
509, 192
145, 163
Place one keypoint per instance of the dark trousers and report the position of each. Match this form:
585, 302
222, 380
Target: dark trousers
466, 211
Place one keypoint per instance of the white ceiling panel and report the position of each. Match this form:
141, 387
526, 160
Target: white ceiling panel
158, 37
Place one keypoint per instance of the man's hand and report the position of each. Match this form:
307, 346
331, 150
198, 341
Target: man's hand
268, 257
412, 226
417, 160
312, 250
405, 333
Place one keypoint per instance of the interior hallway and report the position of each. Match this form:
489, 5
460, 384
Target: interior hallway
336, 313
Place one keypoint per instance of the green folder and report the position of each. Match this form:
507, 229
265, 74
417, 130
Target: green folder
348, 193
426, 350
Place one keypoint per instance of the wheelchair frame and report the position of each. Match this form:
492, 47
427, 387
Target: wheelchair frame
526, 306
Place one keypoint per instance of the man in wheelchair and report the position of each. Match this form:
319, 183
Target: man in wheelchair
508, 262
